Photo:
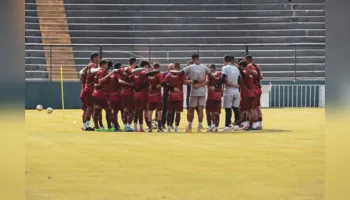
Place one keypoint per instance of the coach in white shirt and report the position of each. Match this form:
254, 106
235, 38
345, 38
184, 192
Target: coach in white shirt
231, 100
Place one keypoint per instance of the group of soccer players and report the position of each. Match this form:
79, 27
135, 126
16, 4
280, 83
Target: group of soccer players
136, 92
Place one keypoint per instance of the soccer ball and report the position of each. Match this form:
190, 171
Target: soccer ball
39, 107
49, 110
154, 124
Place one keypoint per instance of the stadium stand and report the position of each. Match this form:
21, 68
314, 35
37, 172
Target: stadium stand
269, 28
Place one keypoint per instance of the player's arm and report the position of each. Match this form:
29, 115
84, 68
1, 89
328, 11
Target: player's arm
104, 79
175, 72
124, 83
161, 81
252, 70
198, 85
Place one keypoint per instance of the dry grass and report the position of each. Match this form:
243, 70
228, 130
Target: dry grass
283, 162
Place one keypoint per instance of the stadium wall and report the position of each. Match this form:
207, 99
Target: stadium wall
282, 94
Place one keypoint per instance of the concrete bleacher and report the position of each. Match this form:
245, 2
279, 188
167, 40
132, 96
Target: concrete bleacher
35, 63
126, 28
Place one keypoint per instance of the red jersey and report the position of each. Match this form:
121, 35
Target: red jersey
90, 77
247, 85
113, 87
124, 74
256, 77
217, 93
140, 79
99, 90
175, 81
155, 95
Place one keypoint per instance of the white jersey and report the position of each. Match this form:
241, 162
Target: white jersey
232, 74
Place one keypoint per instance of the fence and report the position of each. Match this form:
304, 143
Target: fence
296, 96
279, 61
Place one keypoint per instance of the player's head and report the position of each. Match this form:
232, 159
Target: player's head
110, 64
227, 59
177, 66
239, 60
156, 66
170, 66
243, 64
232, 59
190, 62
144, 64
95, 58
117, 65
248, 59
132, 62
195, 58
103, 64
212, 68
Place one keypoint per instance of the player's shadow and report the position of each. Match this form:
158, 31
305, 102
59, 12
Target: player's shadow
264, 131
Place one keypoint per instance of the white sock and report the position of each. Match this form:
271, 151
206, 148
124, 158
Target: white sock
135, 126
141, 126
200, 124
87, 123
128, 125
125, 125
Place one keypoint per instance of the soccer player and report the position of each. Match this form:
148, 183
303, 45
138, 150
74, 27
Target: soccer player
174, 84
127, 93
213, 107
140, 95
100, 98
189, 63
84, 106
155, 82
231, 76
258, 76
86, 94
197, 75
165, 100
112, 86
247, 104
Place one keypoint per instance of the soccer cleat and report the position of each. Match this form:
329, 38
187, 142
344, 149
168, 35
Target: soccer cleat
236, 128
176, 129
83, 127
172, 127
169, 129
89, 129
118, 129
99, 130
215, 129
244, 127
141, 131
188, 130
160, 130
150, 130
210, 129
200, 127
226, 128
103, 128
128, 129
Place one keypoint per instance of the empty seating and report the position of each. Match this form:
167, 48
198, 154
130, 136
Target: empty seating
269, 28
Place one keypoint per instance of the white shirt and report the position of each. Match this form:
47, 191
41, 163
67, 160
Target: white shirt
232, 73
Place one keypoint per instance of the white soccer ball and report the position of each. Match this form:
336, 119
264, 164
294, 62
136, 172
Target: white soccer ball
39, 108
154, 124
49, 110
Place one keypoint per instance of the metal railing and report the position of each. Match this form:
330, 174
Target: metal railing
169, 53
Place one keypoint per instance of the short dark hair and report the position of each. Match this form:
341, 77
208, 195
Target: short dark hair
239, 60
243, 63
156, 65
132, 60
94, 55
212, 66
249, 57
228, 58
103, 62
143, 63
195, 55
177, 65
117, 65
110, 64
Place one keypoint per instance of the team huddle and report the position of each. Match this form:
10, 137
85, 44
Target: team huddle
136, 92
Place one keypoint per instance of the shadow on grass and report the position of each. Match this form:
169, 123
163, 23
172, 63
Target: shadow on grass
265, 131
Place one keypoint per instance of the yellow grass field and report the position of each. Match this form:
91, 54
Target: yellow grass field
285, 161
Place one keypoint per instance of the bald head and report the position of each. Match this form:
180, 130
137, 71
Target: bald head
170, 66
